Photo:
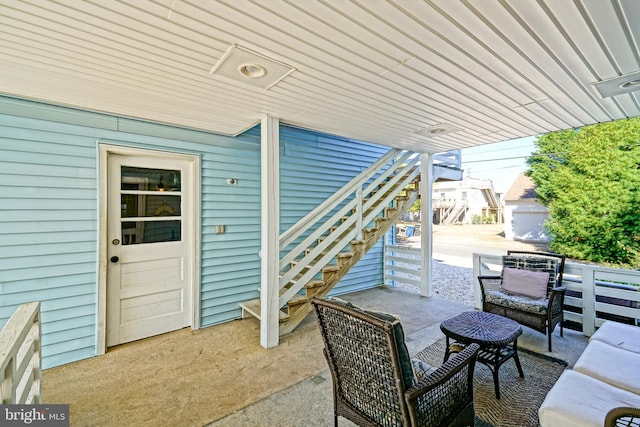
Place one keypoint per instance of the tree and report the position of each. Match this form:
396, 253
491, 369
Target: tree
416, 206
589, 178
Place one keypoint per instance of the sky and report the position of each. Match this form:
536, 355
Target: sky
501, 162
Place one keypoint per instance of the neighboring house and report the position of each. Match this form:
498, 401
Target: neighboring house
459, 201
524, 217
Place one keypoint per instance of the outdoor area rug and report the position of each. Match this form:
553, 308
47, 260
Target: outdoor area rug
520, 398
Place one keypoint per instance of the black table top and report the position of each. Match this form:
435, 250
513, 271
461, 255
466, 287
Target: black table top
486, 329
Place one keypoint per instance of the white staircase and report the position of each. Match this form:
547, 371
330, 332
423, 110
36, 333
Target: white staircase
321, 248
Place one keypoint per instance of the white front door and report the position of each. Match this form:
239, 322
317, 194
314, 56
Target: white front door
149, 222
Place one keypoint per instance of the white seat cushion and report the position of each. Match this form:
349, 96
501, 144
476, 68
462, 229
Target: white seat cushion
613, 365
578, 400
619, 335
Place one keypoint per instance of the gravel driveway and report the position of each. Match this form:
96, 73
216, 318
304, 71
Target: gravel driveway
453, 247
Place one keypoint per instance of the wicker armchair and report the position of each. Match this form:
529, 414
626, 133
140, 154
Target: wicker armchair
540, 314
623, 417
373, 377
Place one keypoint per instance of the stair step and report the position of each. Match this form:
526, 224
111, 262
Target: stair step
391, 211
344, 255
380, 221
339, 256
297, 261
368, 232
314, 285
329, 273
295, 303
331, 269
326, 270
311, 288
253, 307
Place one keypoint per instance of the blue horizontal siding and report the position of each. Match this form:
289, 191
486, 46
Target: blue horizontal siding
49, 217
49, 220
230, 264
313, 167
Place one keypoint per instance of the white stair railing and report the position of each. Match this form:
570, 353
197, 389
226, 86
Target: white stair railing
332, 202
452, 214
401, 169
20, 358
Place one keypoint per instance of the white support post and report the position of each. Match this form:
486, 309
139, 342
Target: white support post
270, 231
588, 301
426, 223
477, 270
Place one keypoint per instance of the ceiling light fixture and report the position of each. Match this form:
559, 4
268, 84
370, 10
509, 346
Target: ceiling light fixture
249, 67
253, 71
630, 84
619, 85
437, 130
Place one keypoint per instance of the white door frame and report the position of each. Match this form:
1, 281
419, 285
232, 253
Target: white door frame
104, 150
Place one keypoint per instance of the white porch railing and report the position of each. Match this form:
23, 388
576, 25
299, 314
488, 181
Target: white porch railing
402, 266
20, 357
594, 293
450, 159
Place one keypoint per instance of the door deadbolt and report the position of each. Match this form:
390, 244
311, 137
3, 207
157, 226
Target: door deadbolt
115, 241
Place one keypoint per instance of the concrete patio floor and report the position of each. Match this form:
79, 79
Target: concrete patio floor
221, 376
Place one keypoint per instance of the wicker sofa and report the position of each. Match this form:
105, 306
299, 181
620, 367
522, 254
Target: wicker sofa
604, 379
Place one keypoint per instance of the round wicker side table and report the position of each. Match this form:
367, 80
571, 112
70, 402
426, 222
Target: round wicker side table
496, 335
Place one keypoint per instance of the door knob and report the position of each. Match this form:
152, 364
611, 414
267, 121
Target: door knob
115, 259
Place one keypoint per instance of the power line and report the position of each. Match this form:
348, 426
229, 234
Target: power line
495, 160
500, 149
515, 158
500, 168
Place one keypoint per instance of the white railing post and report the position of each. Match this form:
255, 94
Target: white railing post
588, 300
359, 225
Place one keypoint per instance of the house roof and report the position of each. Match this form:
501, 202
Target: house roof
522, 188
401, 73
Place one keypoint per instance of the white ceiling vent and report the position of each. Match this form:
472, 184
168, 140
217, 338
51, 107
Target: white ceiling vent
437, 130
244, 65
619, 85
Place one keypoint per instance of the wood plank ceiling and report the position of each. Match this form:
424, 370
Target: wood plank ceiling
373, 70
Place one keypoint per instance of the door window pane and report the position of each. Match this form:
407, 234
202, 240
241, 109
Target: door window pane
145, 205
137, 232
150, 179
150, 203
